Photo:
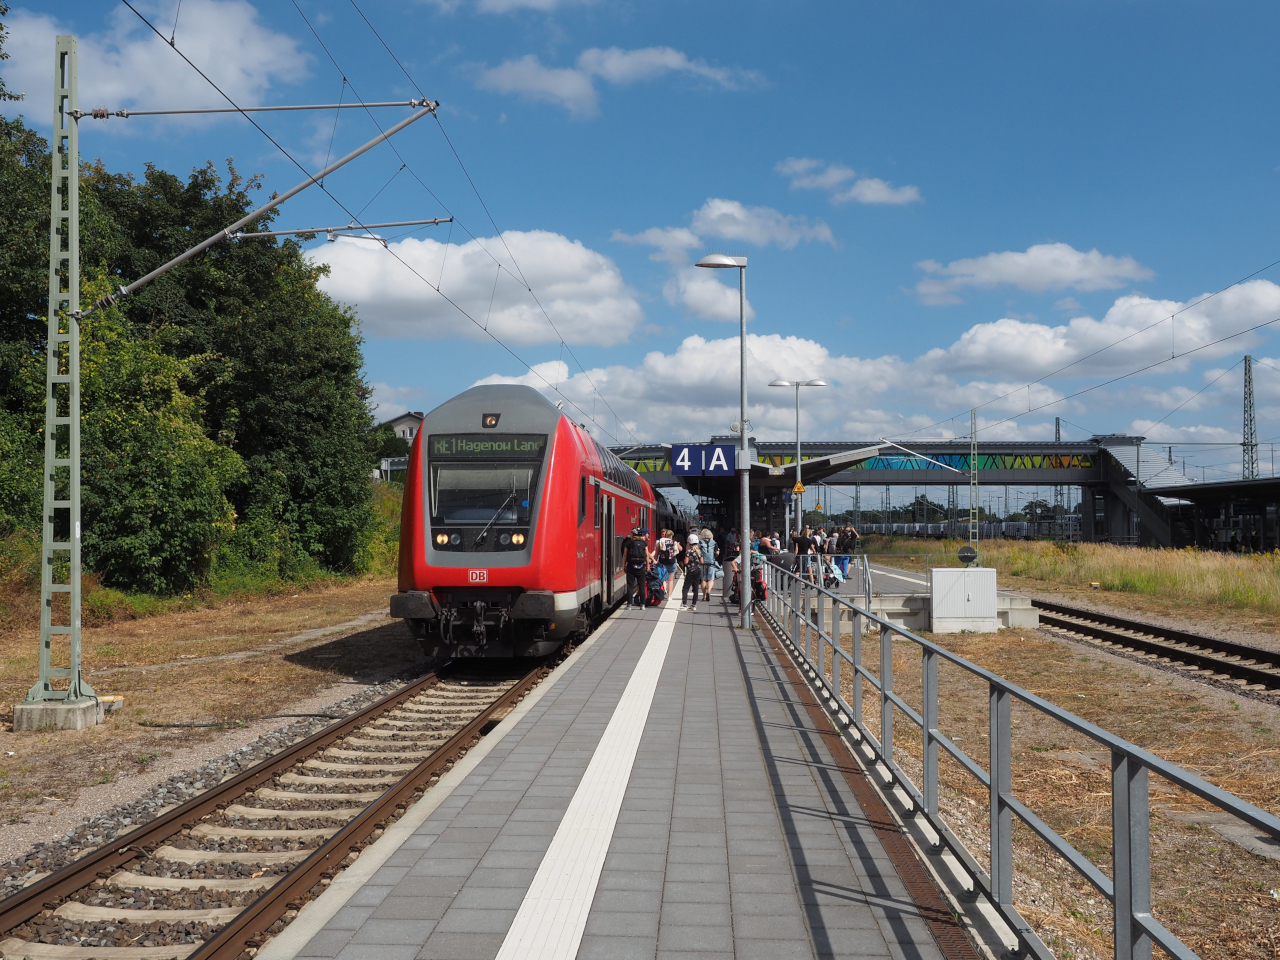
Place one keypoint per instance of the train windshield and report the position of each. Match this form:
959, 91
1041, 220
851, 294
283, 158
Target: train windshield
485, 479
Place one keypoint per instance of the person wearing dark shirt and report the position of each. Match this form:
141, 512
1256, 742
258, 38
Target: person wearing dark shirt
636, 556
731, 549
804, 549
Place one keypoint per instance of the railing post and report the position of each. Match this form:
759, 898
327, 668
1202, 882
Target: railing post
1131, 853
929, 711
1001, 786
836, 647
808, 622
795, 611
856, 702
886, 688
819, 654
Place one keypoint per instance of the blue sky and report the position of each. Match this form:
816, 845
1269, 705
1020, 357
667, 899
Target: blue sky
939, 202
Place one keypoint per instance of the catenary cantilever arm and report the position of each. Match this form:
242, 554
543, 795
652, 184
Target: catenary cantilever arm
226, 232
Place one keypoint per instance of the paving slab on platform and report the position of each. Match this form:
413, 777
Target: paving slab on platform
736, 833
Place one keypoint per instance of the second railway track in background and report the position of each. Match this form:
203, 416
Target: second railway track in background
215, 877
1254, 668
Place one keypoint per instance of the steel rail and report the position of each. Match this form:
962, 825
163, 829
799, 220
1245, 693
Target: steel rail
28, 902
248, 930
1167, 633
1202, 661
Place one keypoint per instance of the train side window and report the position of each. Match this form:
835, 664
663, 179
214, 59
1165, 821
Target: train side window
582, 499
596, 484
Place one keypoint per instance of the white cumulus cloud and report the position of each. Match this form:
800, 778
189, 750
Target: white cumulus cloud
389, 402
582, 290
690, 392
875, 190
1019, 348
807, 173
700, 292
127, 65
731, 220
574, 87
1042, 267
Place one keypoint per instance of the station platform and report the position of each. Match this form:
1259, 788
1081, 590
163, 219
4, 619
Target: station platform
666, 793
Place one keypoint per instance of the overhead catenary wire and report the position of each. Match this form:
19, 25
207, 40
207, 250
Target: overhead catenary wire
1197, 393
476, 190
1053, 373
1131, 373
237, 109
479, 244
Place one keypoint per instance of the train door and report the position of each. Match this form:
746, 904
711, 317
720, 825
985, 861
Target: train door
607, 554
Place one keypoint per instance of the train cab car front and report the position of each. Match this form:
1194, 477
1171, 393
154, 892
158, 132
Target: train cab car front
478, 577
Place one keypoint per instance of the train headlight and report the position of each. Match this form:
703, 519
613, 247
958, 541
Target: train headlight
504, 539
517, 538
455, 539
442, 538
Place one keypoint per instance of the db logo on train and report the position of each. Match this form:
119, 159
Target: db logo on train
478, 576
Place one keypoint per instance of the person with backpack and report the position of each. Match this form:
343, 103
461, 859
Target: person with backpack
711, 570
845, 547
732, 549
665, 553
804, 550
636, 557
693, 567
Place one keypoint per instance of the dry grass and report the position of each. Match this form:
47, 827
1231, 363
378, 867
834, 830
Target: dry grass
265, 672
1214, 894
1192, 578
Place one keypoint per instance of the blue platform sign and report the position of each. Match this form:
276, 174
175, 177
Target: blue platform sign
702, 460
719, 460
686, 460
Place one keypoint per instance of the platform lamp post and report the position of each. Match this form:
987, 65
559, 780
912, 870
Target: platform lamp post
798, 488
718, 261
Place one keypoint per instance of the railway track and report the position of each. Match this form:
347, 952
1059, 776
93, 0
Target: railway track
215, 877
1251, 667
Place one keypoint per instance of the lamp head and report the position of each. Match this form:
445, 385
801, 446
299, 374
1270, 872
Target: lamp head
814, 383
782, 383
721, 261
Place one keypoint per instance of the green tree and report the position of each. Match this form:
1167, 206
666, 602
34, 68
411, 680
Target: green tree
232, 377
154, 486
385, 444
275, 360
4, 35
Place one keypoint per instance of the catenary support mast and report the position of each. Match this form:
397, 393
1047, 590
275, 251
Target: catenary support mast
1250, 425
60, 543
973, 478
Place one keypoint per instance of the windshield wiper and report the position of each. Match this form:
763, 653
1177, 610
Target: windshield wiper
496, 514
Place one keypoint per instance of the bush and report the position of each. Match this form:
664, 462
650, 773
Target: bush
153, 485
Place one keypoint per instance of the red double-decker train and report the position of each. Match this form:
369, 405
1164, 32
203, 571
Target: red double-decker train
511, 530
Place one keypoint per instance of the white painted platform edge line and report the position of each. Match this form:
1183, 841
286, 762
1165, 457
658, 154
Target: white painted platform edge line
314, 915
553, 915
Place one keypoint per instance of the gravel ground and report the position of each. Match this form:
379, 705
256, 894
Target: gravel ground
42, 844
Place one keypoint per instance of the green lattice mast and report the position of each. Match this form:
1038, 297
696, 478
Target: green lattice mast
60, 558
973, 478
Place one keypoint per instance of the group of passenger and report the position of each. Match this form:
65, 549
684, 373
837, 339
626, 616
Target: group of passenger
701, 558
809, 546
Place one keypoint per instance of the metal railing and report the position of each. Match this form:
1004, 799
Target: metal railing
808, 619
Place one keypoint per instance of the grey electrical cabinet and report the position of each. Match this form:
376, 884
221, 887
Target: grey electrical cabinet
963, 598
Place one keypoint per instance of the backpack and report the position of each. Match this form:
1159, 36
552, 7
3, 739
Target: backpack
692, 554
666, 550
637, 552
